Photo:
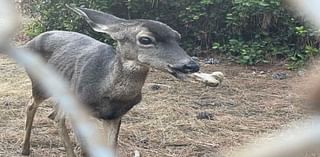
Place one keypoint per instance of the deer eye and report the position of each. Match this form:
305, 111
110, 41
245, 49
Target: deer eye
145, 41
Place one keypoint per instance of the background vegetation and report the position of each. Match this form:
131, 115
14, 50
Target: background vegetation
252, 31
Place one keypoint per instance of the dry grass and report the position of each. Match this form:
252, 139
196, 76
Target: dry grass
164, 123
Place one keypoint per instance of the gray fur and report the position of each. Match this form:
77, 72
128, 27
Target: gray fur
109, 81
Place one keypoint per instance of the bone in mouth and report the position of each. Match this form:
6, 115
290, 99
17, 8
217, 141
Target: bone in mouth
213, 80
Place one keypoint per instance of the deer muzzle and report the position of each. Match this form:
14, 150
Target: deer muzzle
190, 67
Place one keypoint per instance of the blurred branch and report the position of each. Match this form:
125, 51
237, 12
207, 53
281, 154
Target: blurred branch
59, 90
305, 138
287, 143
51, 82
309, 9
292, 142
9, 22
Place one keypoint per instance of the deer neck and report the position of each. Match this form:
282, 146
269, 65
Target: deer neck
128, 77
128, 67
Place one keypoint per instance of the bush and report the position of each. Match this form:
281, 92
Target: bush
255, 31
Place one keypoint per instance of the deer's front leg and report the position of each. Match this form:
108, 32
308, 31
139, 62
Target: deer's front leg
111, 129
60, 118
31, 111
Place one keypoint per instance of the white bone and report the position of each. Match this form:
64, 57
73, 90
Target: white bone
213, 80
137, 153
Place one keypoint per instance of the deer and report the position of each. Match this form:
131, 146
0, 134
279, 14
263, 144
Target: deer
107, 81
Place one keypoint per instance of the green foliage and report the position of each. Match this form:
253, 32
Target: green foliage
255, 31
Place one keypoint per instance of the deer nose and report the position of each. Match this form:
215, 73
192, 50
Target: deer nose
190, 67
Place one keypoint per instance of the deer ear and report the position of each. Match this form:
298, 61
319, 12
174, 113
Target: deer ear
101, 22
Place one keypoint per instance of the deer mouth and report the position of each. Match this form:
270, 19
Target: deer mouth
177, 74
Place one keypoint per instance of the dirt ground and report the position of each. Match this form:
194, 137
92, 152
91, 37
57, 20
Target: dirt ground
247, 105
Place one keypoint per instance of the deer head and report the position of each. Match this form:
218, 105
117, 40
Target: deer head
146, 42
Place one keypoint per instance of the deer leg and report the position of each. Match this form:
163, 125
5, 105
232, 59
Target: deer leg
111, 128
31, 111
65, 136
111, 131
81, 145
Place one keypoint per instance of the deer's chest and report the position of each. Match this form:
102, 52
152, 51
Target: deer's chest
128, 84
122, 94
118, 102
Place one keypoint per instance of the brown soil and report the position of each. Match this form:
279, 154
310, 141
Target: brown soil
165, 123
